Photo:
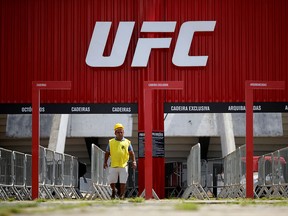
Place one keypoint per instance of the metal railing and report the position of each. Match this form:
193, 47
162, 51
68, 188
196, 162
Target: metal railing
270, 174
57, 178
6, 174
70, 176
99, 187
194, 188
273, 174
234, 174
20, 175
58, 175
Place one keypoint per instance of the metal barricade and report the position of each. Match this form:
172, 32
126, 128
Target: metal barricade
194, 188
28, 173
75, 178
67, 176
45, 173
273, 173
6, 174
70, 176
99, 188
56, 179
19, 183
234, 174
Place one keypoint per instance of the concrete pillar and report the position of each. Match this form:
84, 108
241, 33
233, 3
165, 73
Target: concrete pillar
225, 129
58, 133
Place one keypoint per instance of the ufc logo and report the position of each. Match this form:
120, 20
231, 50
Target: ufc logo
144, 46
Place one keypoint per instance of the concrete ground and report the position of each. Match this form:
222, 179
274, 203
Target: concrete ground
150, 208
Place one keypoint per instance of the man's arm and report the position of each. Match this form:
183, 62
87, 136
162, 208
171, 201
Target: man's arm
132, 156
107, 154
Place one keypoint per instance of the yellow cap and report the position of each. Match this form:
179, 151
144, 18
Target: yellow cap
118, 126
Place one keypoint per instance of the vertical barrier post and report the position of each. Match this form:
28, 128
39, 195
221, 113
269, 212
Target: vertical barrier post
148, 143
249, 142
249, 87
148, 87
36, 87
35, 141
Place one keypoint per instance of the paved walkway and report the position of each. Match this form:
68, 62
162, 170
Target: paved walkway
154, 207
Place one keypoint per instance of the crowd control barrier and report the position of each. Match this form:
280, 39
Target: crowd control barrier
270, 174
194, 188
6, 174
58, 175
21, 167
71, 178
234, 174
273, 174
52, 175
99, 187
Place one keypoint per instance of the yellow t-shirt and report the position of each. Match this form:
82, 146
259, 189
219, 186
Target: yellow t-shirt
119, 152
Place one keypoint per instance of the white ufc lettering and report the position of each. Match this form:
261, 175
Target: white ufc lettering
144, 46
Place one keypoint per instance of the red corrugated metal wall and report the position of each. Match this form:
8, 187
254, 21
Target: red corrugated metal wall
249, 43
48, 40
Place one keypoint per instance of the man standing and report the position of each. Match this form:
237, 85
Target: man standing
119, 149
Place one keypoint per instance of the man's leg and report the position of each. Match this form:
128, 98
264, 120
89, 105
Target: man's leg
112, 179
122, 190
123, 179
117, 186
112, 185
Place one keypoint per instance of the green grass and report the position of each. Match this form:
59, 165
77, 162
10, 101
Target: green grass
186, 206
246, 202
136, 200
40, 200
274, 201
7, 210
31, 207
71, 206
39, 206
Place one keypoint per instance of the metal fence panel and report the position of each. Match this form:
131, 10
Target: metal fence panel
49, 167
273, 172
99, 187
67, 181
234, 174
6, 169
75, 171
54, 171
194, 188
19, 168
28, 170
42, 168
59, 167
